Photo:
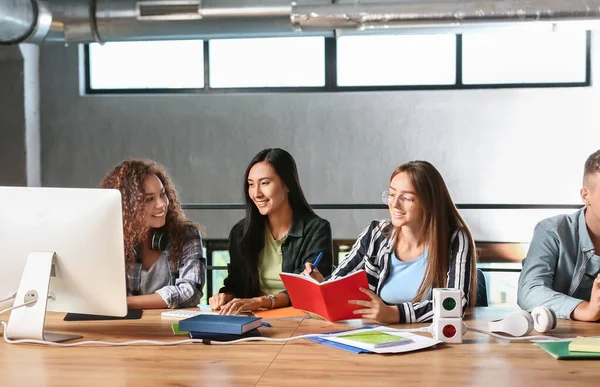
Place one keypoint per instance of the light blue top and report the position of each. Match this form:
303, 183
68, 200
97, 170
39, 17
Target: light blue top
404, 279
560, 255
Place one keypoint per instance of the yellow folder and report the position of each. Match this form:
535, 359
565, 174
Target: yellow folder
585, 344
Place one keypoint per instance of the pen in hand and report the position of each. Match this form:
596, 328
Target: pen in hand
314, 265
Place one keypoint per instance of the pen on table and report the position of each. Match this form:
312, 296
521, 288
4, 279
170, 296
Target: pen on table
264, 324
314, 265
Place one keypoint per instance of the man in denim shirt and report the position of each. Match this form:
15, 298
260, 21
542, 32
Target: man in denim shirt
561, 268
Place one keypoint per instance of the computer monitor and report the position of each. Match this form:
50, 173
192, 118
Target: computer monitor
66, 243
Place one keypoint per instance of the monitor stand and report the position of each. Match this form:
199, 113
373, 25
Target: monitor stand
28, 322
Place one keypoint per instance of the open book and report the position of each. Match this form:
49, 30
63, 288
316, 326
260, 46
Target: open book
327, 299
373, 338
406, 342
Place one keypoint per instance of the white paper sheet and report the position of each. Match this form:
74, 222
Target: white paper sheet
417, 341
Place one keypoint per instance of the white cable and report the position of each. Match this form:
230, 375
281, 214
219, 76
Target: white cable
512, 338
169, 343
18, 306
258, 338
424, 329
141, 342
151, 342
12, 295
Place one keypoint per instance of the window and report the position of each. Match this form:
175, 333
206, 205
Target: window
217, 259
502, 281
515, 57
146, 65
349, 63
269, 62
396, 60
501, 277
220, 258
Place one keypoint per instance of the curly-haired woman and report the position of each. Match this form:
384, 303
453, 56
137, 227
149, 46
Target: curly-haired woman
163, 249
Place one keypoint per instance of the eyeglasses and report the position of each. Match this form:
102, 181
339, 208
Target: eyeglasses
388, 198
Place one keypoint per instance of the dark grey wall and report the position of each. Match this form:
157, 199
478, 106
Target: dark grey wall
13, 165
492, 146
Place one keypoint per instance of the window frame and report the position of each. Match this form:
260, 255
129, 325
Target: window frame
331, 86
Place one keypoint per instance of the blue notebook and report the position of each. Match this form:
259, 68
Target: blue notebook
208, 323
333, 344
345, 347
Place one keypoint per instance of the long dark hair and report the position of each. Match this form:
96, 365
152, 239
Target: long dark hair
440, 219
253, 239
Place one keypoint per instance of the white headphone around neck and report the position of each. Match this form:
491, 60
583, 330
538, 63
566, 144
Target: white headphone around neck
521, 323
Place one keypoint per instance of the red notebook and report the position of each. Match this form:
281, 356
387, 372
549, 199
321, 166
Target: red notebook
327, 299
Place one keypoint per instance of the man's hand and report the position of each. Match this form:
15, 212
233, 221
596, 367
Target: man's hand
589, 311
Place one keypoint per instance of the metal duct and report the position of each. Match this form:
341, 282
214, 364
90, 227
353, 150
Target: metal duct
17, 20
214, 19
168, 10
80, 21
457, 14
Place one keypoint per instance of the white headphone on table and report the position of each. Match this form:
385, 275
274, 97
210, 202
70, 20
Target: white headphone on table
521, 323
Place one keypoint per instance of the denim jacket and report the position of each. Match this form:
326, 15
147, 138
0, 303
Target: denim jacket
559, 257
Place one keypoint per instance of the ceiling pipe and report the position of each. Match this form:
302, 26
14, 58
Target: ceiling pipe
79, 21
17, 20
440, 15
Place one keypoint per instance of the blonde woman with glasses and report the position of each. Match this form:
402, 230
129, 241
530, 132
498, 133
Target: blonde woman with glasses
425, 245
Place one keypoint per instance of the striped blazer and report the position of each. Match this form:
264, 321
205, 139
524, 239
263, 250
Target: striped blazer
372, 252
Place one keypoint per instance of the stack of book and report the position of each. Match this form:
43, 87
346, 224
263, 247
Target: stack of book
220, 328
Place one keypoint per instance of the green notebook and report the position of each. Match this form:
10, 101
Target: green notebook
376, 338
560, 350
177, 331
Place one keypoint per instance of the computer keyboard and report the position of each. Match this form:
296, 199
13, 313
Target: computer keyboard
183, 313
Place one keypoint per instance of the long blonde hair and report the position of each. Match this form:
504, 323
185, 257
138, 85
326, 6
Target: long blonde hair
440, 219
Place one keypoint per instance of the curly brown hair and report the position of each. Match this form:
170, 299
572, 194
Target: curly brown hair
128, 178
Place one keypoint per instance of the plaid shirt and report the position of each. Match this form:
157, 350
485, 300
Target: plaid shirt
372, 252
185, 284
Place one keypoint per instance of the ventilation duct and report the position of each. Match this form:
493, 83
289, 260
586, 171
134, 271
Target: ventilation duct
423, 14
166, 10
18, 19
80, 21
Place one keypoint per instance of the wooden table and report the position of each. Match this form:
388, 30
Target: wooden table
480, 360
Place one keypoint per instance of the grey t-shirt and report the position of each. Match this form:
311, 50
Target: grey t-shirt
157, 277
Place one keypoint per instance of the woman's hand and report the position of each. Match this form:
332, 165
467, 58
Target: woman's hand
218, 300
313, 272
376, 309
240, 305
